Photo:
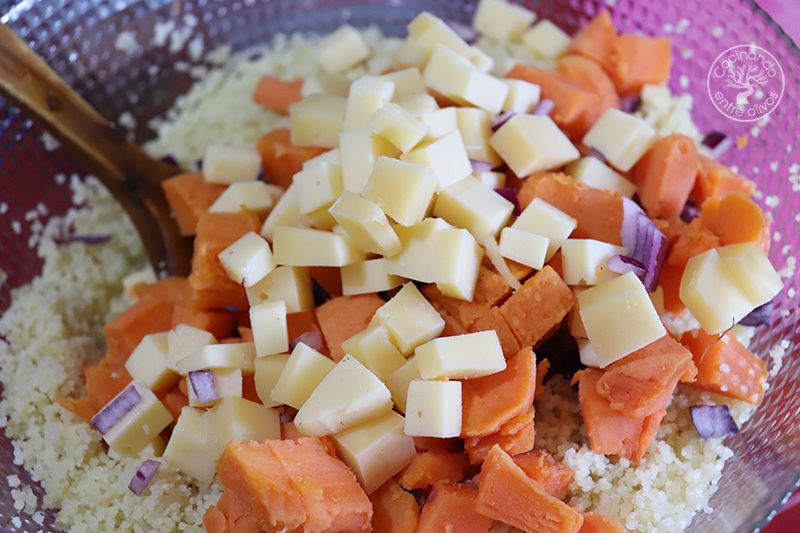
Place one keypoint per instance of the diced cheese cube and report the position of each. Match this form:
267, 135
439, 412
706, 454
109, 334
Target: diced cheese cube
289, 284
427, 31
472, 355
373, 348
397, 126
522, 96
619, 318
368, 276
456, 78
312, 247
751, 268
335, 84
592, 172
285, 213
501, 20
248, 260
524, 247
188, 449
410, 54
270, 334
304, 370
493, 180
711, 291
331, 157
621, 137
227, 382
342, 50
239, 355
530, 143
317, 187
139, 426
367, 95
574, 321
546, 40
149, 362
184, 340
410, 319
585, 261
399, 380
548, 221
349, 395
586, 353
433, 409
471, 205
475, 129
317, 120
407, 82
419, 105
376, 450
446, 157
254, 196
237, 418
365, 223
268, 370
229, 164
439, 122
360, 149
401, 189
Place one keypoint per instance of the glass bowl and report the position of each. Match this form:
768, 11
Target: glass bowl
77, 39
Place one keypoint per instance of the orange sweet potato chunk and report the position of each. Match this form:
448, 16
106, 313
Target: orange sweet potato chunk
276, 94
493, 319
554, 476
124, 332
429, 467
218, 323
665, 175
490, 288
238, 513
215, 521
174, 401
598, 523
344, 316
596, 39
189, 196
638, 60
452, 508
280, 159
514, 437
506, 493
716, 180
733, 218
590, 75
394, 510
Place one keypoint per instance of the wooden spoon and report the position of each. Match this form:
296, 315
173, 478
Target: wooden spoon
132, 176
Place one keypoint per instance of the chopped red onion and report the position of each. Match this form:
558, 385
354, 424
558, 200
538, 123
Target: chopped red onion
622, 264
545, 107
657, 253
321, 294
501, 119
90, 239
144, 476
630, 217
689, 212
170, 160
759, 316
312, 339
205, 389
511, 195
480, 166
116, 409
644, 241
597, 154
718, 143
424, 495
713, 421
465, 31
630, 104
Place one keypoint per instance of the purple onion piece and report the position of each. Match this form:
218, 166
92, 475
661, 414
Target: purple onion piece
657, 253
205, 389
689, 212
425, 495
644, 241
465, 31
622, 264
312, 339
713, 421
116, 409
545, 107
597, 154
170, 160
321, 295
144, 476
630, 104
759, 316
511, 195
717, 143
630, 220
89, 239
480, 166
501, 119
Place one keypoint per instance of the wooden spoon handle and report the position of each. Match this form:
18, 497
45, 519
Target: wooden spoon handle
132, 176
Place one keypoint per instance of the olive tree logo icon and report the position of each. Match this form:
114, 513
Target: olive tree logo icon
747, 77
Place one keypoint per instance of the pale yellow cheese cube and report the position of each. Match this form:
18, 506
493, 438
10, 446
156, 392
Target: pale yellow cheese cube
304, 370
376, 450
401, 189
367, 95
439, 122
619, 318
475, 128
592, 172
270, 334
145, 275
360, 149
289, 284
522, 96
342, 50
237, 418
548, 221
711, 291
399, 380
349, 395
574, 321
586, 353
365, 223
524, 247
229, 164
368, 276
410, 319
530, 143
407, 82
427, 31
471, 205
267, 371
184, 340
317, 120
285, 213
419, 105
317, 187
324, 83
585, 261
446, 157
502, 20
621, 137
331, 157
149, 362
433, 409
493, 180
256, 197
472, 355
546, 40
248, 260
373, 348
455, 77
410, 54
397, 126
188, 449
140, 425
751, 268
239, 355
313, 247
227, 382
459, 261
